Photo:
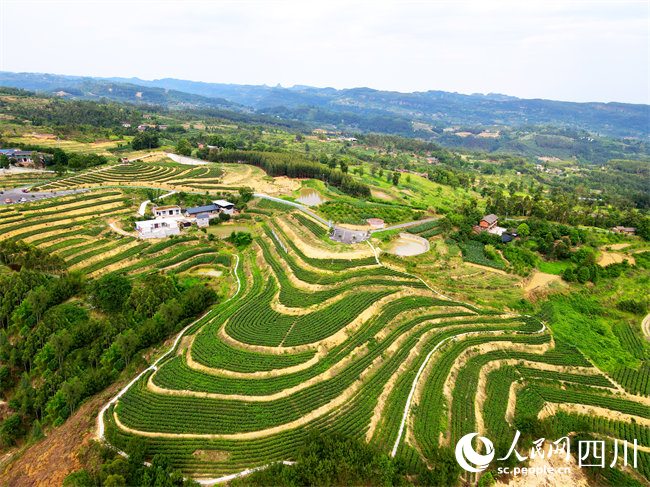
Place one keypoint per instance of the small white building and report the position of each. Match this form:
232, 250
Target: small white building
167, 211
497, 230
202, 220
159, 228
225, 206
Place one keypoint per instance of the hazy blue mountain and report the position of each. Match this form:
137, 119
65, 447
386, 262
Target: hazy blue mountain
362, 106
96, 88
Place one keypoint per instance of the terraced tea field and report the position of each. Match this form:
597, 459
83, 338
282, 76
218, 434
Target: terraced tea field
144, 174
353, 346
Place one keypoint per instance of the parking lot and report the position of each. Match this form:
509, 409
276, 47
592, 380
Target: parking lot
17, 196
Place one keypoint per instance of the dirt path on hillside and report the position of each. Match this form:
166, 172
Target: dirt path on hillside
605, 258
575, 476
487, 268
117, 229
538, 281
381, 195
619, 246
289, 273
378, 411
49, 461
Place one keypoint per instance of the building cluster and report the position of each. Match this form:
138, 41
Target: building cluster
19, 157
625, 230
489, 224
170, 220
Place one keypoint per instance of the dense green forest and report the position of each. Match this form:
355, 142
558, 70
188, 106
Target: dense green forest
65, 338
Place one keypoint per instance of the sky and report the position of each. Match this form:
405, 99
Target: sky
563, 50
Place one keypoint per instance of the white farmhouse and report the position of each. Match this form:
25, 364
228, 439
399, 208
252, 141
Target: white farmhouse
159, 228
167, 211
225, 206
202, 220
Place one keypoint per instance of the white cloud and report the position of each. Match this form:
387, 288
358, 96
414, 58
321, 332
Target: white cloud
572, 50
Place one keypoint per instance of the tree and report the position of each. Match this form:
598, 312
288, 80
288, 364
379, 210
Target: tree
38, 300
4, 161
487, 480
523, 230
11, 429
137, 450
240, 239
80, 478
36, 159
72, 391
561, 250
396, 177
145, 140
582, 275
127, 342
110, 292
36, 432
61, 343
568, 275
59, 158
155, 290
245, 194
344, 167
183, 147
114, 480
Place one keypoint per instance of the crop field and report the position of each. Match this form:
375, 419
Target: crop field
156, 175
336, 344
17, 180
100, 148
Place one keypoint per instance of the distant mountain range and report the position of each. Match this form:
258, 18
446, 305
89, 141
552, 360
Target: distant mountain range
363, 109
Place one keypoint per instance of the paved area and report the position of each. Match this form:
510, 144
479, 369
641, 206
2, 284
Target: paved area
405, 225
120, 231
17, 196
143, 207
187, 160
23, 170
